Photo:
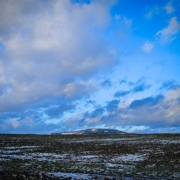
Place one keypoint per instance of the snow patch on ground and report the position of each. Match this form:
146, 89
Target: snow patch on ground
21, 147
131, 157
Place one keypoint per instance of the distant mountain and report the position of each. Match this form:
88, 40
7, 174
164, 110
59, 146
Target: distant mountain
94, 131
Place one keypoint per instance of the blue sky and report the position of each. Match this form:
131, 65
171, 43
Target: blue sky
70, 65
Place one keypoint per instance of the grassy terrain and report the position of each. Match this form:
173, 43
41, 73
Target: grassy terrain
90, 156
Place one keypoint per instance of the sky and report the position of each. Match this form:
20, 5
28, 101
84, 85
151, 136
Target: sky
75, 64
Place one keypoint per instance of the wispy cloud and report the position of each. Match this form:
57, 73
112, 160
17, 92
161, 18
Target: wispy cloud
112, 105
149, 101
169, 8
106, 83
159, 9
139, 86
122, 81
59, 110
121, 93
168, 34
147, 47
170, 84
152, 12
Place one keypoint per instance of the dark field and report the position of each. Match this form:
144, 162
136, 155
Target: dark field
126, 156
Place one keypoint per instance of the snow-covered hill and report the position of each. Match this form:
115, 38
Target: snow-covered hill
94, 131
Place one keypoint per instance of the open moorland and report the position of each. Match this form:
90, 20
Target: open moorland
126, 156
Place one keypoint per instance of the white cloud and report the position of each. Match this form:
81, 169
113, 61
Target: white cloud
133, 129
160, 114
15, 123
92, 120
147, 47
168, 34
153, 11
48, 45
157, 9
169, 8
149, 14
123, 21
165, 112
78, 89
173, 104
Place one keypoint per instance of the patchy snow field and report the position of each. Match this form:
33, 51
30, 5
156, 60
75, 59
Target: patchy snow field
127, 156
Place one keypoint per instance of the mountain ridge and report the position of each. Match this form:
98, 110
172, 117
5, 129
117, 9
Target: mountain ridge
93, 131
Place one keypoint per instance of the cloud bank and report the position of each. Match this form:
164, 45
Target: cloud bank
69, 65
51, 48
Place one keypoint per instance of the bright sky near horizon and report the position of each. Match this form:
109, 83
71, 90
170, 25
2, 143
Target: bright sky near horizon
74, 64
